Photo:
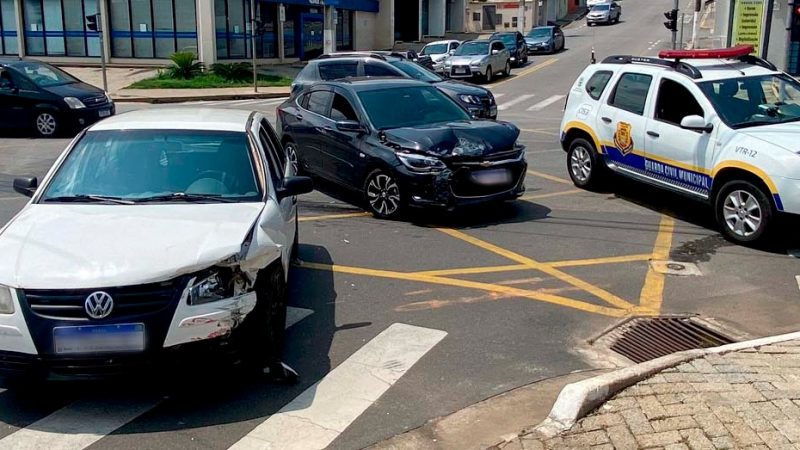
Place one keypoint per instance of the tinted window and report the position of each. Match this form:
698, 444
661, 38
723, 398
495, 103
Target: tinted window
341, 109
752, 101
674, 102
136, 164
410, 107
318, 102
307, 74
434, 49
539, 33
473, 48
631, 92
43, 74
334, 71
601, 8
415, 71
597, 83
376, 70
276, 162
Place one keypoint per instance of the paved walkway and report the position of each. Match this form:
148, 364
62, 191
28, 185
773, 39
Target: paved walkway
748, 399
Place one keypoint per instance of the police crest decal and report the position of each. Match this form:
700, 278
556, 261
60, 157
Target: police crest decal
623, 139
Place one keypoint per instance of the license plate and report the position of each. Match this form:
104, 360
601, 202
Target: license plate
492, 177
461, 71
104, 113
128, 337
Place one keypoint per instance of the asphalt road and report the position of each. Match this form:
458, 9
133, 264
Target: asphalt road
498, 297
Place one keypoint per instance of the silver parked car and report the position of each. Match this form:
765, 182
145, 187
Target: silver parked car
482, 58
608, 13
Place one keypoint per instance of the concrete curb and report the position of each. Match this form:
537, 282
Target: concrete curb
578, 399
193, 98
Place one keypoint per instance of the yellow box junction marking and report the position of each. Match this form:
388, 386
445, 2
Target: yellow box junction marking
653, 290
550, 177
333, 216
527, 72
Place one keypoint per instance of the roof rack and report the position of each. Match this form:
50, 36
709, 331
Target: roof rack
353, 55
678, 66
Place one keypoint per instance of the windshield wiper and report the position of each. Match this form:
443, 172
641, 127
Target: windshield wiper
182, 196
83, 198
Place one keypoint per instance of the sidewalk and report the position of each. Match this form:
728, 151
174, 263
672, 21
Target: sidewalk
745, 399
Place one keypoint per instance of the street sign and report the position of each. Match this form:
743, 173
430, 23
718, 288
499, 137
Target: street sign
748, 20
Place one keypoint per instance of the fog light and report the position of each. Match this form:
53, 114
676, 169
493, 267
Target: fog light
6, 302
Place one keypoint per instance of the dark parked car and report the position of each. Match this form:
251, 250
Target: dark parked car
477, 100
515, 43
411, 55
401, 143
549, 39
47, 100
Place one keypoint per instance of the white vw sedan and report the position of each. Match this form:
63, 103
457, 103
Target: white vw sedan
154, 231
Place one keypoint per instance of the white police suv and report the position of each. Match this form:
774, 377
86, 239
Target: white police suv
723, 127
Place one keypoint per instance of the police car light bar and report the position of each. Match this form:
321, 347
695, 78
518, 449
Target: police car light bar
722, 53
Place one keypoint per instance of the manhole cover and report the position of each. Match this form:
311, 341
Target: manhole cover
681, 269
643, 339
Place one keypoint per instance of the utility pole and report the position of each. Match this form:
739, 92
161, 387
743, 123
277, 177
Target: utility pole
767, 29
93, 24
522, 13
683, 25
697, 8
253, 42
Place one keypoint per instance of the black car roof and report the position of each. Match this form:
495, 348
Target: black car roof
362, 84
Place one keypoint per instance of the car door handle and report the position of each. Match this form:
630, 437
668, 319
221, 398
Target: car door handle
606, 119
653, 134
298, 117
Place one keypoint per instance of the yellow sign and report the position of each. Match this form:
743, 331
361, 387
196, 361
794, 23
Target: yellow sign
623, 139
748, 17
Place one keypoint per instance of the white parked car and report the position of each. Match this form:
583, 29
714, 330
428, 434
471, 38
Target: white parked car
155, 231
717, 125
439, 51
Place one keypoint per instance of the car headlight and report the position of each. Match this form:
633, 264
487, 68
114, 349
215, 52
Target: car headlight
74, 103
476, 63
420, 163
471, 99
6, 301
468, 147
216, 285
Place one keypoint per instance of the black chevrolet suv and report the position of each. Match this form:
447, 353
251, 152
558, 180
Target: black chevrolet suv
47, 100
477, 100
401, 143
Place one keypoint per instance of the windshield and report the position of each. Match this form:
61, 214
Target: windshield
434, 49
44, 75
753, 101
410, 107
539, 33
473, 49
137, 164
416, 71
600, 8
508, 39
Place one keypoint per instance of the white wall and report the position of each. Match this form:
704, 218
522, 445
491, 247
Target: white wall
457, 22
364, 30
384, 25
436, 10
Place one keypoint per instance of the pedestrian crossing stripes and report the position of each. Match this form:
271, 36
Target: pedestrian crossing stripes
511, 103
518, 102
317, 416
545, 103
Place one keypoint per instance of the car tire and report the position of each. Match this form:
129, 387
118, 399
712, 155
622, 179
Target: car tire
584, 165
743, 211
383, 196
295, 255
507, 70
293, 156
46, 124
262, 333
489, 75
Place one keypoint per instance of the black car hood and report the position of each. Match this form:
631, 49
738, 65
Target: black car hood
78, 90
476, 138
459, 87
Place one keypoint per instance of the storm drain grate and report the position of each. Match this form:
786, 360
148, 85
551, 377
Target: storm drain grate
643, 339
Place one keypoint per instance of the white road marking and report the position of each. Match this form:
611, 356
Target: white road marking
797, 277
78, 425
511, 103
545, 103
322, 412
294, 315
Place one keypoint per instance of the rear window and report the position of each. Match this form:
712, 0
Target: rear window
597, 83
335, 71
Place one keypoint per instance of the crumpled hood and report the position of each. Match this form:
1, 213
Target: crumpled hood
465, 60
78, 246
440, 139
77, 90
783, 135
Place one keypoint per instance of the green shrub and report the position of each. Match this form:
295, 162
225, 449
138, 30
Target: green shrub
240, 71
185, 66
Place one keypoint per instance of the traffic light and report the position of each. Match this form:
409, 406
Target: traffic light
672, 20
91, 22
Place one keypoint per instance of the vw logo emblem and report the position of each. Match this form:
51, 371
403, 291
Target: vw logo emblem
99, 305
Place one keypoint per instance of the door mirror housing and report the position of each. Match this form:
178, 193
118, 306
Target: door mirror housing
696, 123
452, 52
350, 126
294, 186
26, 185
495, 51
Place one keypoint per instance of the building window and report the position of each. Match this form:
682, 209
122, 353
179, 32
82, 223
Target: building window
514, 22
344, 30
476, 17
152, 28
57, 27
8, 28
232, 25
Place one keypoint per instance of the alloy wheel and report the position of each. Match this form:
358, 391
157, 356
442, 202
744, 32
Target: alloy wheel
291, 155
489, 76
46, 124
383, 194
581, 164
742, 213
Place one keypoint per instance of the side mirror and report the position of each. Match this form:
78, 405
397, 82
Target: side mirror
350, 126
696, 123
294, 186
495, 51
452, 52
26, 185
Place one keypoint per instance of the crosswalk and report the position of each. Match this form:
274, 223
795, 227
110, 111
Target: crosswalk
524, 102
312, 420
256, 102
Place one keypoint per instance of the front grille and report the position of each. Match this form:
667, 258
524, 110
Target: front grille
95, 101
128, 301
460, 71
